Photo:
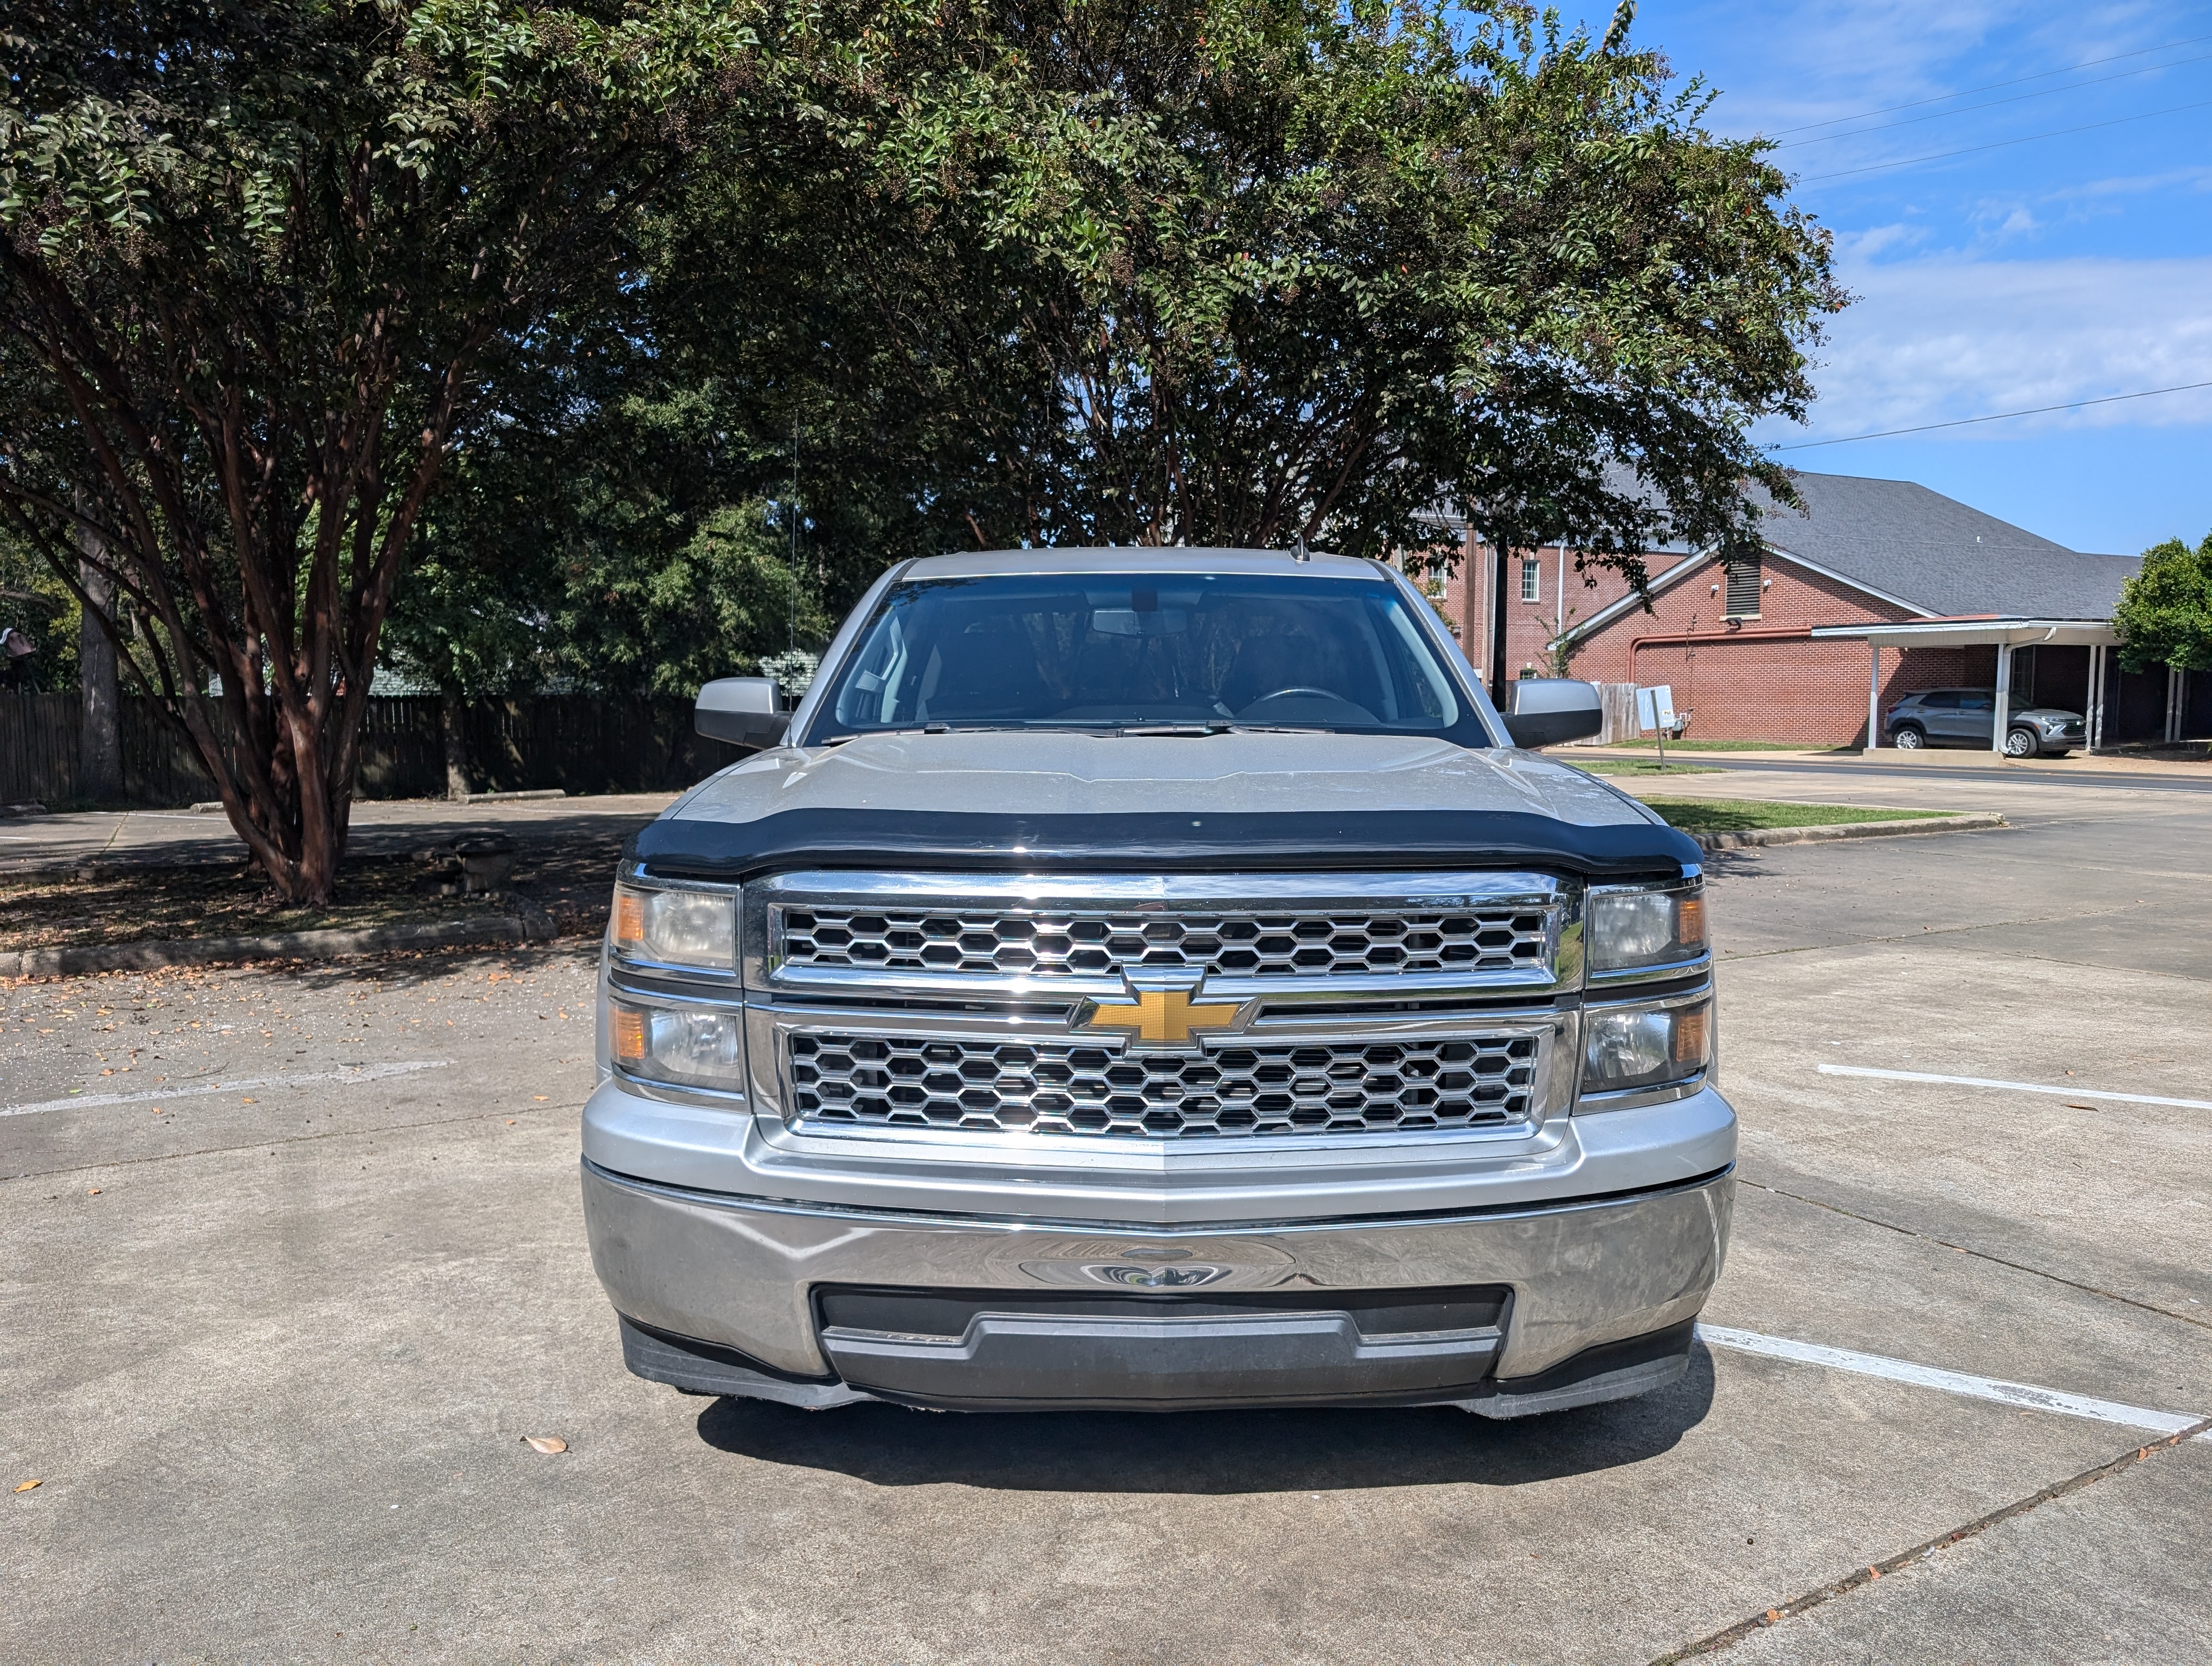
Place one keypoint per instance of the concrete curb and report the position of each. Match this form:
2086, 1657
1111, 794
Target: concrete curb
1766, 835
536, 926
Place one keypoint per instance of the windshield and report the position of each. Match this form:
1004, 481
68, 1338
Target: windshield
1146, 650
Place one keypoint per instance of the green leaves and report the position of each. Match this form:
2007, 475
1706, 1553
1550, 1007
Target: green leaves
2165, 615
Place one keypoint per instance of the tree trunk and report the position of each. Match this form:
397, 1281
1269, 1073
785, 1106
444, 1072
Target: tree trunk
449, 716
99, 746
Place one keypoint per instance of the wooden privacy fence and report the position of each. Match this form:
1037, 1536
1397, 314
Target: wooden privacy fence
583, 743
1618, 701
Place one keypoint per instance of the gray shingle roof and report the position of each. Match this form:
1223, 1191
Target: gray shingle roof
1935, 553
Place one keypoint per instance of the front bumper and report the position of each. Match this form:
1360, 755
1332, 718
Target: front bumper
721, 1294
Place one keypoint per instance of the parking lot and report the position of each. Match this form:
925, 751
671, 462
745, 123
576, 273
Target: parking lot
291, 1264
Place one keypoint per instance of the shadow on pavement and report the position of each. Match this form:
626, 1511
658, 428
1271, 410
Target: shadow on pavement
1209, 1452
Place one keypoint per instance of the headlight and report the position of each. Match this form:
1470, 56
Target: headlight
1632, 927
691, 1046
694, 929
1654, 1046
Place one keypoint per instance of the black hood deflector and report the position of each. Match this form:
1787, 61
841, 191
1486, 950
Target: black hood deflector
1154, 842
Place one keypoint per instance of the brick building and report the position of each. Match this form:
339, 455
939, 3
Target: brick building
1760, 649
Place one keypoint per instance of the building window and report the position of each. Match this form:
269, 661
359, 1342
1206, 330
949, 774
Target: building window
1532, 579
1743, 587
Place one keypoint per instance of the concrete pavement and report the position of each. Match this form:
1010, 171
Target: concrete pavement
132, 837
275, 1344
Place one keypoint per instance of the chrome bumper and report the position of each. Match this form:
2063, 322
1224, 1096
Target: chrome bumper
740, 1274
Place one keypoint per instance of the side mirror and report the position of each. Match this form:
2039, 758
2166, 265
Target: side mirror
1548, 710
745, 711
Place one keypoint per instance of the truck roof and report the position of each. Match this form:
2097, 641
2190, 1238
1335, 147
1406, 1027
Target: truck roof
1139, 558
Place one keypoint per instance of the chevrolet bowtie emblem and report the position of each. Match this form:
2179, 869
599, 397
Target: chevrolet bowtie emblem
1158, 1018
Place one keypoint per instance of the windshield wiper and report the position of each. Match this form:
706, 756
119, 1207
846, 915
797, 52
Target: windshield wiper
1148, 730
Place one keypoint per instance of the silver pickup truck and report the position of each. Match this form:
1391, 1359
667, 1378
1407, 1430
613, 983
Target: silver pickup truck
1156, 978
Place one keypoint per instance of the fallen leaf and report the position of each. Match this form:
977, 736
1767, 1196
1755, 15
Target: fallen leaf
2071, 1106
92, 1191
541, 1098
26, 1486
243, 1101
546, 1443
510, 1121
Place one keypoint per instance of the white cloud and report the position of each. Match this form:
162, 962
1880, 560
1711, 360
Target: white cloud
1942, 338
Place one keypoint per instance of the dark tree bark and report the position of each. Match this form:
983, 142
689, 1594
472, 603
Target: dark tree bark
99, 746
450, 716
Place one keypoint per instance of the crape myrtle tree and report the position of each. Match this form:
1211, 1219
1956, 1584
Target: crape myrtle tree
2164, 613
1201, 271
1248, 271
254, 263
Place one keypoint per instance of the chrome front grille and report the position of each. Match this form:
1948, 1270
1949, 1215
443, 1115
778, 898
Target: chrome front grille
854, 1079
1062, 943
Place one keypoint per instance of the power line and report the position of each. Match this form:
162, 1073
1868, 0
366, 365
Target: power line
1965, 109
2001, 415
2055, 133
1994, 86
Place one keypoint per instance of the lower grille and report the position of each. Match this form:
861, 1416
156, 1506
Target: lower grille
1066, 1088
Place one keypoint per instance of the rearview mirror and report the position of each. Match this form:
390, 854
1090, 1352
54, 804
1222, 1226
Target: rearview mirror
1548, 710
742, 711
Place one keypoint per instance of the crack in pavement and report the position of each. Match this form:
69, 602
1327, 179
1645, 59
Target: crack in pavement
255, 1145
1729, 1636
1979, 1255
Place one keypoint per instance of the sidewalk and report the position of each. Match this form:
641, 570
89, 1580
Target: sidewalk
2196, 768
153, 838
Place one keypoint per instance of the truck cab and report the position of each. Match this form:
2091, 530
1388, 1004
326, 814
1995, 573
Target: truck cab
1156, 978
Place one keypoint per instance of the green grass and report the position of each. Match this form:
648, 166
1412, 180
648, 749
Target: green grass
1749, 815
1637, 766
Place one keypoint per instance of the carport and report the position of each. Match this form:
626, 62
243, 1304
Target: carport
2006, 635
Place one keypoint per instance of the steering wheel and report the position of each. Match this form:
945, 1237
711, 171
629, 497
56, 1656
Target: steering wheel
1284, 694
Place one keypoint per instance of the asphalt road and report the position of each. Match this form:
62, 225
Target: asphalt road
274, 1346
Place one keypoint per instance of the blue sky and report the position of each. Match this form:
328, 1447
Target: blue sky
2062, 268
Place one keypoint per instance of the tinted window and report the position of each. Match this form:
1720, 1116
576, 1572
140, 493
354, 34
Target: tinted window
1109, 651
1943, 700
1977, 702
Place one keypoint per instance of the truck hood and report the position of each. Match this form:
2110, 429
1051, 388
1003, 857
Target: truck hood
1032, 773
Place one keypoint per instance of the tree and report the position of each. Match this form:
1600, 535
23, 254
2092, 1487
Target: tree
254, 263
608, 537
1230, 271
1246, 271
2164, 613
38, 607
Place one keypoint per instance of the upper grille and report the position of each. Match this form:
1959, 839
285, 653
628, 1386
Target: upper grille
1070, 1088
1054, 943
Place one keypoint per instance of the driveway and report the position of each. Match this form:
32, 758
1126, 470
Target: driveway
285, 1292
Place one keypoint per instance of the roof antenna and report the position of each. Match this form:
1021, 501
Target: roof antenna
1299, 552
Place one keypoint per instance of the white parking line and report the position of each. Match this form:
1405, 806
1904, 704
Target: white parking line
2013, 1087
2024, 1394
367, 1073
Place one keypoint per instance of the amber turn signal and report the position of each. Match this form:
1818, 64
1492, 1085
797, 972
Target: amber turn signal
628, 1035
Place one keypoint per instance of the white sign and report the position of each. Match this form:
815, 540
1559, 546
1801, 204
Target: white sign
1655, 708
